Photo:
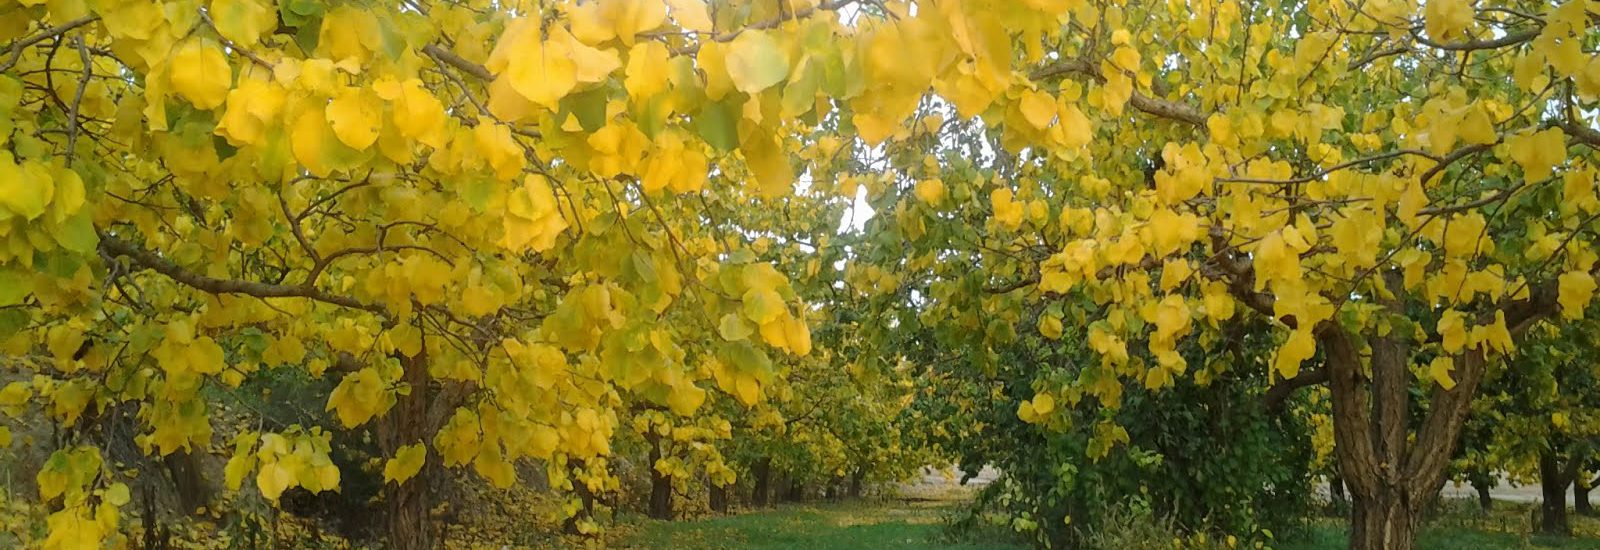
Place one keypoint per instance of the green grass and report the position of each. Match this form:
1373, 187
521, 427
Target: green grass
898, 525
1329, 537
1460, 526
891, 525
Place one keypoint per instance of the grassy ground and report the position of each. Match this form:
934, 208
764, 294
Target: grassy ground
1460, 526
889, 525
898, 525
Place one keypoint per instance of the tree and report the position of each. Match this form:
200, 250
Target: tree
493, 264
505, 214
1538, 416
1402, 191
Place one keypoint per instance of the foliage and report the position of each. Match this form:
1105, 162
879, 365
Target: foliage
1205, 461
535, 232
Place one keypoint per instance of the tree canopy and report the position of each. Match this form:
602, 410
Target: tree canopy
523, 231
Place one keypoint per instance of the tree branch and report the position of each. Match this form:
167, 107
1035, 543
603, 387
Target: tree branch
22, 44
145, 259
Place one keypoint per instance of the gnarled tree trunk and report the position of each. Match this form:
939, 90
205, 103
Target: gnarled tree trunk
1391, 476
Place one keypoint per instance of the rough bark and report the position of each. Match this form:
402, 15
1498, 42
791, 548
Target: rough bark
1385, 523
856, 478
1391, 477
660, 484
405, 506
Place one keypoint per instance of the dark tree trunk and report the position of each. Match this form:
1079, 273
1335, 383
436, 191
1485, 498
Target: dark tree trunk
1580, 498
660, 484
191, 487
1336, 494
406, 506
856, 478
1481, 481
719, 499
1485, 500
797, 491
1553, 486
570, 526
761, 494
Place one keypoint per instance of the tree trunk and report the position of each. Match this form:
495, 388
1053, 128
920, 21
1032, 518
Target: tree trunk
570, 526
1481, 481
1553, 485
191, 487
1383, 523
855, 482
406, 506
1580, 498
763, 485
1390, 475
719, 499
660, 484
1336, 495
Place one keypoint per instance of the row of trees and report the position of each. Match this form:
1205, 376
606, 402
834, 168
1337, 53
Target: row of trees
561, 233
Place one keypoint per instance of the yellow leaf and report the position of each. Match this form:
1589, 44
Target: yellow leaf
1574, 290
691, 15
756, 62
200, 73
533, 220
746, 389
685, 398
1297, 348
418, 114
1447, 20
1538, 152
764, 155
407, 461
1007, 212
1038, 108
243, 21
24, 190
1476, 126
1050, 327
309, 140
272, 479
1453, 330
647, 70
1043, 403
930, 191
356, 115
1440, 370
252, 106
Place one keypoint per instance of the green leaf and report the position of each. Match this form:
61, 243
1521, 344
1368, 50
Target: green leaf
718, 123
589, 106
77, 233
